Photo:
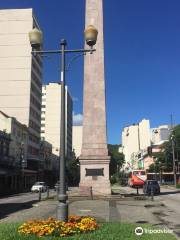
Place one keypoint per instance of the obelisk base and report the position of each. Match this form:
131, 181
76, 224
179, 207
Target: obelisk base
94, 175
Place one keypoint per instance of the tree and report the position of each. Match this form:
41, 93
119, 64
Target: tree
175, 135
165, 158
117, 158
73, 170
160, 158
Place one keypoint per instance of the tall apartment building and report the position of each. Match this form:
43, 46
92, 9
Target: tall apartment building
135, 138
130, 142
20, 73
50, 117
160, 134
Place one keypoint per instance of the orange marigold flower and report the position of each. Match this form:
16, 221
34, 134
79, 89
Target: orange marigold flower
51, 226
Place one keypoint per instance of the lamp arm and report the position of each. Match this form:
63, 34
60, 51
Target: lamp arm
74, 59
91, 50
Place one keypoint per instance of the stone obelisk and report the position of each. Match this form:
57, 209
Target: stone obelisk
94, 159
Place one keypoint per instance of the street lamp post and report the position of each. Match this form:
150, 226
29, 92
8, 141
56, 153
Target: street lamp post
161, 168
35, 37
173, 151
23, 163
174, 161
62, 210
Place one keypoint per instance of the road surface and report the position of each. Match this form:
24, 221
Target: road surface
168, 202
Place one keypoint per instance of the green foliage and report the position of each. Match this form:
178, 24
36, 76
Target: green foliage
153, 168
73, 171
120, 177
160, 162
117, 158
113, 179
106, 231
177, 139
164, 159
175, 135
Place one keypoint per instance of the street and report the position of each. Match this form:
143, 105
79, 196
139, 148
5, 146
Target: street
165, 206
10, 206
163, 211
171, 200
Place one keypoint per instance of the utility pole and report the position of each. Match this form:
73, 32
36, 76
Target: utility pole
173, 150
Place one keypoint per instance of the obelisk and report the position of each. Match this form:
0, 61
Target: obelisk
94, 159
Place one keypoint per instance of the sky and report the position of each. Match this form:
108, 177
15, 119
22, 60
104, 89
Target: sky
142, 56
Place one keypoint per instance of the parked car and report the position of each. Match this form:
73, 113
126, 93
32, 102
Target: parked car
151, 186
39, 185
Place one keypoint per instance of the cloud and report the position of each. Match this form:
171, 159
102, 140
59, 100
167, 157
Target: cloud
77, 119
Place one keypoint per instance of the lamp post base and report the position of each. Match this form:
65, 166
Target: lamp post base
62, 211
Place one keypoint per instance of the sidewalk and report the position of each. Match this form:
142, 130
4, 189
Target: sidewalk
114, 208
169, 187
106, 211
121, 207
125, 211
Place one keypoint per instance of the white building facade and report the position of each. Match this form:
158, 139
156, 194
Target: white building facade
20, 74
160, 134
138, 139
50, 117
77, 140
135, 138
19, 139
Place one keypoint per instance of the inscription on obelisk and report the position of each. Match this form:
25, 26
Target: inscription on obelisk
94, 159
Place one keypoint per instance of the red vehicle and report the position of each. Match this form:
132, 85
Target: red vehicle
137, 178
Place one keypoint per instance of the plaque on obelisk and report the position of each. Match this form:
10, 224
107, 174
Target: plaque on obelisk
94, 159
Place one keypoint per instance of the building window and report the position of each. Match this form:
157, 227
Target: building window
36, 80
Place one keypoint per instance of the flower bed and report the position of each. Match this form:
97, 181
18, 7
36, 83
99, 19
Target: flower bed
51, 226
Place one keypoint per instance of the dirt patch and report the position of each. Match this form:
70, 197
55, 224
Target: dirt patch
142, 222
149, 206
140, 198
154, 205
160, 214
158, 224
177, 226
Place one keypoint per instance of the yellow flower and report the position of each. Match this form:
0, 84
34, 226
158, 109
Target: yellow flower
51, 226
